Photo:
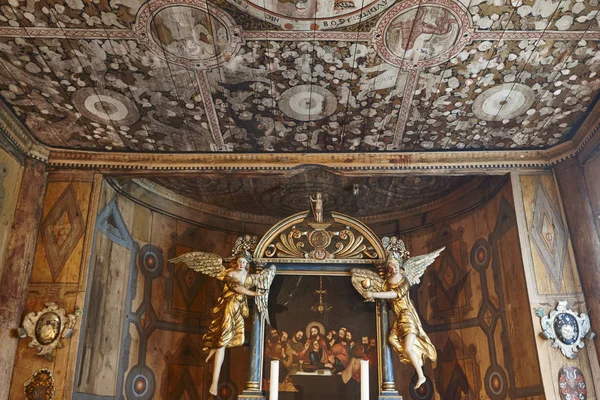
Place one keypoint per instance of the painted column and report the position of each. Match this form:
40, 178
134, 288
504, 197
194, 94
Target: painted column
18, 263
253, 386
388, 385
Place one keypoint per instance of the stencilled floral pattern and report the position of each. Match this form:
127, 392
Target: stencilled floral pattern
123, 75
534, 14
443, 116
70, 13
367, 92
42, 77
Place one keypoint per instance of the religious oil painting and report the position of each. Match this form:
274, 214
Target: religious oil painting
320, 330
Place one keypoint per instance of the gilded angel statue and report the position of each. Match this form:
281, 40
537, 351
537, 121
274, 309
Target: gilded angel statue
227, 327
407, 337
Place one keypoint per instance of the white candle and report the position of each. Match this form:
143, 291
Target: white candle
364, 379
274, 384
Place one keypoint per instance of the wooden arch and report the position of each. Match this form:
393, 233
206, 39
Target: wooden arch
338, 239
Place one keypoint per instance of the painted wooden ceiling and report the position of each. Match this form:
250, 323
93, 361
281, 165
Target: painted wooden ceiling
267, 198
299, 75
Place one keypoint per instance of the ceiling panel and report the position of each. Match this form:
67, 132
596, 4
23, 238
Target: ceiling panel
269, 76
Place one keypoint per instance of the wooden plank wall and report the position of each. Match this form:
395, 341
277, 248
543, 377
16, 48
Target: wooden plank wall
474, 305
61, 280
146, 317
550, 280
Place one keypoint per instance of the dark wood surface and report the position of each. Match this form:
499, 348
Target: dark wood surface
584, 234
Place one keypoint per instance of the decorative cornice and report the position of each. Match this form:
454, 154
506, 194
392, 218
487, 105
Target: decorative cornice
139, 164
17, 134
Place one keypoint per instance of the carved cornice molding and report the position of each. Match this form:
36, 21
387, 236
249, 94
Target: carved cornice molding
138, 164
135, 164
18, 135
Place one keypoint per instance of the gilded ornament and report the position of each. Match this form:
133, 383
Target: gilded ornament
47, 327
407, 337
227, 327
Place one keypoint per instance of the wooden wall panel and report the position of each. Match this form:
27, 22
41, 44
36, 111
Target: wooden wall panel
474, 305
543, 185
550, 280
71, 197
591, 170
158, 311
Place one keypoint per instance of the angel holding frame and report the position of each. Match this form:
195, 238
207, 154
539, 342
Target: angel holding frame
227, 327
407, 337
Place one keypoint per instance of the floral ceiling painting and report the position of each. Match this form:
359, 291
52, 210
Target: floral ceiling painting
300, 75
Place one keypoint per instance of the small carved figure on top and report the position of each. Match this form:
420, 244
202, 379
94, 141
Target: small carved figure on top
317, 207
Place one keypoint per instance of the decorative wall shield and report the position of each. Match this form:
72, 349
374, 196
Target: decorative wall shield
565, 328
571, 384
47, 327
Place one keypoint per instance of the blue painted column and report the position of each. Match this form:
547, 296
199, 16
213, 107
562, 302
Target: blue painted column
388, 385
253, 386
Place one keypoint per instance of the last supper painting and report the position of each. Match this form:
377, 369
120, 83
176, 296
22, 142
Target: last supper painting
320, 330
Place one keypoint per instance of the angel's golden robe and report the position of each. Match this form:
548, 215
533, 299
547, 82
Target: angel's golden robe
406, 323
227, 326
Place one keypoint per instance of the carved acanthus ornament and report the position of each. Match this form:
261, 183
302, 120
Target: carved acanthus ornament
304, 237
321, 244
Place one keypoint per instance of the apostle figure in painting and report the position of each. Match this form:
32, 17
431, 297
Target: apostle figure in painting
227, 327
406, 336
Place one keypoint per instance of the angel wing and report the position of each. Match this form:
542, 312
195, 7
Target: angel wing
263, 281
206, 263
364, 280
414, 267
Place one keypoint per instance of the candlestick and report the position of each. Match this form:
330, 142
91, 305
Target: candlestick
364, 379
274, 384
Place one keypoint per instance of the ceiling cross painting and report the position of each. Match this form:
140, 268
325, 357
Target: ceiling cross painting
299, 75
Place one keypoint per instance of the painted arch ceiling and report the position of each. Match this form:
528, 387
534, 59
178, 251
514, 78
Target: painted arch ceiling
299, 75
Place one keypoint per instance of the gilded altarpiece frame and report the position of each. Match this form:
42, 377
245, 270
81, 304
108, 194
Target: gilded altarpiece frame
314, 257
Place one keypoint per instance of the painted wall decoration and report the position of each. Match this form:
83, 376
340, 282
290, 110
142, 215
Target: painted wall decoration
319, 352
300, 75
565, 328
478, 337
572, 384
141, 335
61, 230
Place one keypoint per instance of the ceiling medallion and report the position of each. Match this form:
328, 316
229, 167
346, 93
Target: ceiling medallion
105, 106
47, 327
505, 101
192, 33
304, 15
565, 328
414, 34
308, 103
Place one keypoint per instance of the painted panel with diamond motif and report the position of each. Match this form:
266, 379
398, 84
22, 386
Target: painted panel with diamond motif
60, 241
551, 252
